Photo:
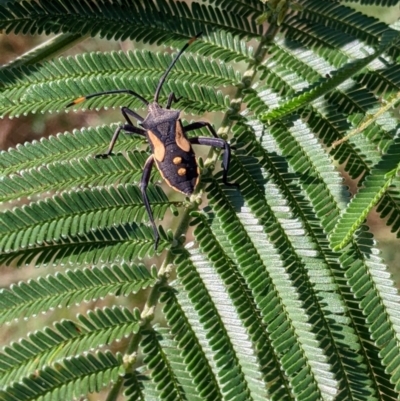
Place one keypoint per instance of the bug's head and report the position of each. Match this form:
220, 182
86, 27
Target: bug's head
164, 77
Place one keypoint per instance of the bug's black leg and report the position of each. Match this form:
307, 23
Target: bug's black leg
143, 187
218, 143
129, 129
201, 124
172, 98
125, 111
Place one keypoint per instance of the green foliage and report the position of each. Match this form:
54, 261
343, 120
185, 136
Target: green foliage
283, 294
72, 287
69, 380
139, 70
375, 186
100, 327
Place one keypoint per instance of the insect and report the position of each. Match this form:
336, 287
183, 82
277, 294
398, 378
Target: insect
171, 149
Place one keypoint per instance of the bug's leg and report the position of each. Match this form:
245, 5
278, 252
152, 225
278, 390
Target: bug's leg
172, 98
218, 143
129, 129
125, 111
143, 187
201, 124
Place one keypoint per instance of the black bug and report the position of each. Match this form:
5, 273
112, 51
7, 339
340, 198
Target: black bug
171, 149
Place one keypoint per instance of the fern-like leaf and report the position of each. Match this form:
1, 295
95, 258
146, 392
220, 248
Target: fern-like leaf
374, 186
330, 83
209, 330
390, 206
77, 213
72, 287
71, 379
99, 328
114, 20
67, 146
73, 173
61, 81
201, 372
107, 245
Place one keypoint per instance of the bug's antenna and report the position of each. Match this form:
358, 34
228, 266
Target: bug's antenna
129, 92
163, 78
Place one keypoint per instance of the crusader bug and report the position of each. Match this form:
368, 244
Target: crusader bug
171, 148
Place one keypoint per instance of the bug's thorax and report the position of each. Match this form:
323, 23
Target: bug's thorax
159, 119
164, 129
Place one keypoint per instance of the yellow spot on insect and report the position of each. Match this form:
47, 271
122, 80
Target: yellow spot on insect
181, 171
177, 160
79, 100
180, 138
159, 149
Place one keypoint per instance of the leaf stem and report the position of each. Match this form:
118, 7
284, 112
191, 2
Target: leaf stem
152, 301
46, 50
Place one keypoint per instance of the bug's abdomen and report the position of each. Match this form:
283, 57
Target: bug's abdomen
179, 169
